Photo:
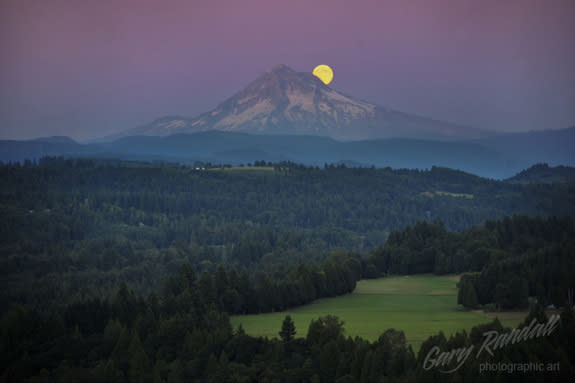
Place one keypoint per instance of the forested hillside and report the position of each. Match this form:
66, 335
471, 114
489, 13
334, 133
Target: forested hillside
74, 229
543, 173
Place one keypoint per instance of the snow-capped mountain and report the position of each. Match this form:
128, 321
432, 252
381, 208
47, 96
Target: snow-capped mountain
284, 101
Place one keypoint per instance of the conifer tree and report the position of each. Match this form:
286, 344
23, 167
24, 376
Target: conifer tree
288, 330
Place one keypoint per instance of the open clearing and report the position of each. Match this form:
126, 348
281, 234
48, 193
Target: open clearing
420, 305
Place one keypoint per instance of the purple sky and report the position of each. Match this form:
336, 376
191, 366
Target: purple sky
87, 68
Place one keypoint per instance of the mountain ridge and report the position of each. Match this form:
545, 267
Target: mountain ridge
504, 159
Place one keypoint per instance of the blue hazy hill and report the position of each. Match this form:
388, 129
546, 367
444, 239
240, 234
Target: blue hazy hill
500, 156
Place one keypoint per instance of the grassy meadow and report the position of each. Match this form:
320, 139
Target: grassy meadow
420, 305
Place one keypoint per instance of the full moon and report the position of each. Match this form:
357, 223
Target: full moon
324, 73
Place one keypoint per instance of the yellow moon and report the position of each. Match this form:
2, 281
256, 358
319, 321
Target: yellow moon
324, 73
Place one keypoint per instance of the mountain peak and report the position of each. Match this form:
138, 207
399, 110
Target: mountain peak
282, 68
285, 77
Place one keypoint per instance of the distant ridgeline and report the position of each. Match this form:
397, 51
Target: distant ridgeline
128, 271
500, 156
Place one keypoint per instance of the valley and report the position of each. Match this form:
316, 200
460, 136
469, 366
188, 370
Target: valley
419, 305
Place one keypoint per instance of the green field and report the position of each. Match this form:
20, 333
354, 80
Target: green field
420, 305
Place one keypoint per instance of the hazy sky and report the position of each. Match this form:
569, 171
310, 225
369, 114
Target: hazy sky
87, 68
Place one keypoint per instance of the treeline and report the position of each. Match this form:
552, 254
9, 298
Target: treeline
545, 273
238, 294
181, 335
513, 259
187, 339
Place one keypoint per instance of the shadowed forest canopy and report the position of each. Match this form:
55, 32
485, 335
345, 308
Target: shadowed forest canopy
77, 228
116, 271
